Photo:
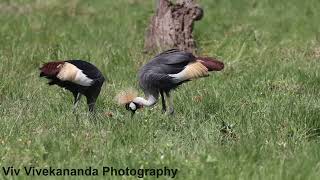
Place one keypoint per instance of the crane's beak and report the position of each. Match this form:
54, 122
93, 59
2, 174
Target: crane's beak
133, 113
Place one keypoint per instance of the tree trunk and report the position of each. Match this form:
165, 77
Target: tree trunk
172, 26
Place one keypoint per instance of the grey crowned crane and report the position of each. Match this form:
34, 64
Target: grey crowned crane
164, 73
77, 76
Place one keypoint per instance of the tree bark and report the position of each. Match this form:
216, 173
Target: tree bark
172, 26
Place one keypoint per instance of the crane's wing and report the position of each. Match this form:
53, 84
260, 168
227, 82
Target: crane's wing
88, 69
174, 56
156, 74
151, 81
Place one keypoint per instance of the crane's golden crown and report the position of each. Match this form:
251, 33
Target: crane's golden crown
126, 96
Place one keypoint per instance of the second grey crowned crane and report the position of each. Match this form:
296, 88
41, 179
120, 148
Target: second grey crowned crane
166, 72
77, 76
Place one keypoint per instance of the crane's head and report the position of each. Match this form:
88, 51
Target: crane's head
126, 98
132, 106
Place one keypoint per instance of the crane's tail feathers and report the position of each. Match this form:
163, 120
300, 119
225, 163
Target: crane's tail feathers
50, 69
211, 64
197, 69
126, 96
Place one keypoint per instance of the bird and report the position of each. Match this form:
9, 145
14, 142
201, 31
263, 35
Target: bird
164, 73
77, 76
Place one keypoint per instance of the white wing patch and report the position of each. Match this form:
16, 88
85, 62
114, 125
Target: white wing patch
70, 72
82, 79
191, 71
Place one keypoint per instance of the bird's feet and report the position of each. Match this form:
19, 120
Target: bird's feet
170, 111
74, 110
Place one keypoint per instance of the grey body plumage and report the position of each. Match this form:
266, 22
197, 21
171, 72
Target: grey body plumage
154, 76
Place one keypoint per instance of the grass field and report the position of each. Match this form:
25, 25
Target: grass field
269, 89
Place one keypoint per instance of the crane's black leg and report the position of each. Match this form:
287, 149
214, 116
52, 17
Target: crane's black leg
171, 109
77, 97
164, 108
91, 101
92, 96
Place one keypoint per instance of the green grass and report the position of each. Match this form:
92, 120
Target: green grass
269, 89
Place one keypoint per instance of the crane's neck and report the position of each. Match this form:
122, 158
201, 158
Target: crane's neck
145, 102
